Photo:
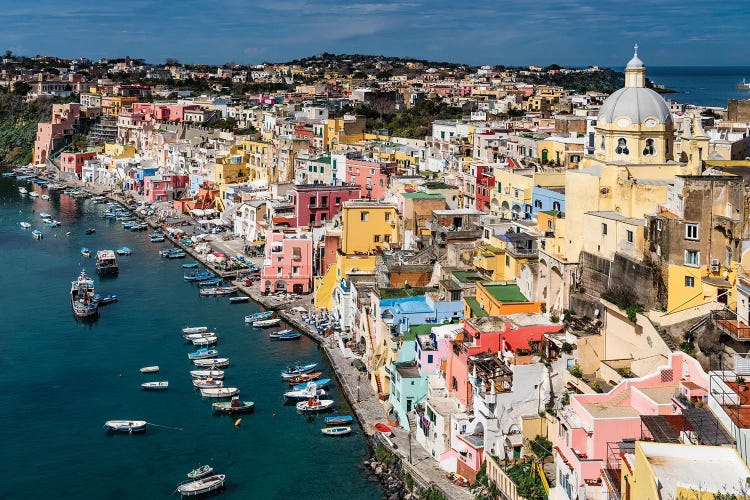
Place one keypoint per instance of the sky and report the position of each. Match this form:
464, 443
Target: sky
510, 32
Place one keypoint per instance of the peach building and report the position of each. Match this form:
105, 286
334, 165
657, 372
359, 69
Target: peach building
52, 135
288, 264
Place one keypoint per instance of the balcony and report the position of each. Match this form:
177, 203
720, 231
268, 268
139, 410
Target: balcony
522, 249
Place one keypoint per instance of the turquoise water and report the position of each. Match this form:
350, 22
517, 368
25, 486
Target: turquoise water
62, 379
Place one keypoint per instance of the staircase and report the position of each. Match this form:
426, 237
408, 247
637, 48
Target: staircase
379, 384
667, 339
412, 421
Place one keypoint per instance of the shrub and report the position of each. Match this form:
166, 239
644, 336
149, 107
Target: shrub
576, 371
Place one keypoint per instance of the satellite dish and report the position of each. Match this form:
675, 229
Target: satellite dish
596, 313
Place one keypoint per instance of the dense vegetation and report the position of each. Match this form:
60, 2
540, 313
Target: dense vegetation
413, 123
18, 121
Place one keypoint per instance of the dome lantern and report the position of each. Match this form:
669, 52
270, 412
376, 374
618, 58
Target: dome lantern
635, 71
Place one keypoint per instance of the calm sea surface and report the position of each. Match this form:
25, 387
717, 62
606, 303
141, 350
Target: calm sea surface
701, 85
63, 379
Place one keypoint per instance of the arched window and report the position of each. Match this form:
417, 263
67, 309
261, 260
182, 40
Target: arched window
622, 147
537, 203
650, 149
602, 144
556, 205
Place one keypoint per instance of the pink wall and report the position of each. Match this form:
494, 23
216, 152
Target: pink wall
280, 254
73, 162
368, 173
326, 203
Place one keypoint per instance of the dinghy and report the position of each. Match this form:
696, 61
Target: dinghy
155, 386
336, 431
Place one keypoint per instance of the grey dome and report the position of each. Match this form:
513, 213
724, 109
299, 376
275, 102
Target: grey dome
636, 104
635, 63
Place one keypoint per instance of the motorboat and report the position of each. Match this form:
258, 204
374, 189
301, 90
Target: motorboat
124, 251
34, 194
195, 336
211, 363
319, 383
210, 281
239, 300
195, 329
201, 486
215, 374
198, 275
203, 354
24, 225
310, 391
85, 252
263, 323
37, 234
285, 336
90, 230
295, 370
219, 290
190, 265
107, 299
129, 426
200, 472
207, 383
106, 263
53, 223
45, 197
220, 392
82, 297
150, 369
339, 420
234, 406
336, 431
45, 215
156, 239
299, 379
23, 190
314, 404
250, 318
155, 386
205, 341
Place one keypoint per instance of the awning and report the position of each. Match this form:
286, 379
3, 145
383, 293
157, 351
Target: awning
197, 212
209, 211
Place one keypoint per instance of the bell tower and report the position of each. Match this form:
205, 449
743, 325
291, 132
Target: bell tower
635, 71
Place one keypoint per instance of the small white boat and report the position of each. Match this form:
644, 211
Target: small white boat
305, 393
129, 426
205, 341
195, 329
24, 225
215, 374
336, 431
34, 194
221, 392
155, 386
267, 322
23, 190
45, 197
200, 472
37, 234
150, 369
314, 404
211, 363
45, 215
207, 383
194, 336
201, 486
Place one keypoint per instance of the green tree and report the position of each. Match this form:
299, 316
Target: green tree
541, 447
78, 143
21, 88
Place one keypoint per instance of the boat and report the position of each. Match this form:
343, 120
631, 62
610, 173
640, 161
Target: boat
195, 336
233, 406
743, 86
220, 392
82, 297
250, 318
155, 386
339, 420
53, 223
295, 370
211, 362
106, 263
285, 336
180, 254
150, 369
37, 234
107, 299
215, 374
308, 392
205, 341
24, 225
239, 300
190, 265
207, 383
201, 486
45, 197
203, 354
90, 230
314, 404
34, 194
198, 275
23, 190
45, 215
210, 281
124, 251
320, 383
384, 429
200, 472
336, 431
304, 378
195, 329
129, 426
85, 252
267, 322
219, 290
156, 239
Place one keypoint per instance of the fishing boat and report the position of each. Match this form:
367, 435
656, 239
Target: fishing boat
90, 230
201, 486
155, 386
310, 391
179, 254
23, 190
320, 383
250, 318
107, 299
200, 472
205, 341
384, 429
150, 369
304, 378
203, 354
85, 252
82, 297
195, 329
198, 275
285, 336
339, 420
124, 251
24, 225
207, 383
743, 85
211, 363
195, 336
263, 323
219, 290
210, 281
45, 215
129, 426
106, 263
233, 406
295, 370
156, 239
53, 223
239, 300
34, 194
215, 374
37, 234
314, 404
336, 431
220, 392
190, 265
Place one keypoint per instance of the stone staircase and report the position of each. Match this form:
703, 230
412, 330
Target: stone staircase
379, 383
412, 421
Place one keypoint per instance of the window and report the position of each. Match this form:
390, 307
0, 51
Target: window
296, 253
376, 238
387, 238
295, 270
537, 203
601, 146
507, 261
604, 229
556, 205
689, 282
692, 258
363, 216
622, 147
629, 235
499, 187
691, 231
549, 223
324, 201
650, 149
387, 216
429, 358
658, 224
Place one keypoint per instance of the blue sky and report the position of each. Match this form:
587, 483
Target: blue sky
511, 32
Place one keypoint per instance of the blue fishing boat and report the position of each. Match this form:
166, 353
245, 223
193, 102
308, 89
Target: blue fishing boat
37, 234
258, 316
339, 420
336, 431
209, 281
107, 299
203, 354
156, 239
285, 336
295, 370
191, 265
85, 252
198, 275
319, 383
124, 251
177, 255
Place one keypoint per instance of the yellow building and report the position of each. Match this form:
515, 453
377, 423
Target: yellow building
259, 157
512, 193
346, 130
563, 151
112, 105
232, 168
656, 471
119, 151
498, 299
501, 256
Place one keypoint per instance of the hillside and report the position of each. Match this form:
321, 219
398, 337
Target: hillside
18, 122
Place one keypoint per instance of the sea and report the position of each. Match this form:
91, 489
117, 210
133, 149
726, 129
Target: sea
63, 378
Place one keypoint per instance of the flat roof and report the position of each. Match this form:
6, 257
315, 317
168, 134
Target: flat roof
421, 195
476, 308
460, 211
617, 217
506, 293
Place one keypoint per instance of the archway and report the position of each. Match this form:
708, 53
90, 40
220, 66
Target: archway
297, 288
280, 286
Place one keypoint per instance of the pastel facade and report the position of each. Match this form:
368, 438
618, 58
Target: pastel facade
53, 135
315, 204
72, 163
288, 265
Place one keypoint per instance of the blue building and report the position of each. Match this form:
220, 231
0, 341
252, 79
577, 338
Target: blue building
543, 199
408, 385
402, 313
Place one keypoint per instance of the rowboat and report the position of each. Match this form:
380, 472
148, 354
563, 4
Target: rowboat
219, 290
200, 472
155, 386
45, 215
203, 354
150, 369
129, 426
37, 234
201, 486
34, 194
194, 336
23, 190
215, 374
220, 392
85, 252
314, 404
384, 429
266, 322
304, 378
190, 265
295, 370
339, 420
305, 393
250, 318
25, 225
210, 281
90, 230
198, 275
211, 363
195, 329
239, 300
205, 341
336, 431
207, 383
320, 383
285, 336
234, 406
156, 239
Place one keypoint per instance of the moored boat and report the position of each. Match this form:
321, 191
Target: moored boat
155, 386
191, 265
107, 299
124, 251
194, 336
215, 374
250, 318
314, 404
37, 234
106, 263
233, 406
336, 431
305, 377
207, 383
34, 194
295, 370
200, 472
220, 392
205, 341
129, 426
285, 336
239, 300
82, 297
85, 252
90, 230
219, 290
266, 322
23, 190
210, 281
24, 225
339, 420
211, 363
309, 392
150, 369
195, 329
203, 354
201, 486
319, 383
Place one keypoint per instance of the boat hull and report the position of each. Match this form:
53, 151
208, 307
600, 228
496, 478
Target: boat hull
336, 431
226, 407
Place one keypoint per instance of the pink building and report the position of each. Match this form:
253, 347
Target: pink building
288, 265
372, 176
52, 135
163, 112
314, 204
164, 188
72, 163
592, 422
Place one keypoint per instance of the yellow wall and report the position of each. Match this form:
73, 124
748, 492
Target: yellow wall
558, 151
359, 235
118, 151
495, 308
508, 183
681, 297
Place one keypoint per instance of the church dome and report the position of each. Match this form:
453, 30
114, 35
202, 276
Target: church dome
637, 104
635, 63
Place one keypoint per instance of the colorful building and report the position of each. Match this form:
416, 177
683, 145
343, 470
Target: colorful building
288, 266
372, 176
498, 299
314, 204
72, 163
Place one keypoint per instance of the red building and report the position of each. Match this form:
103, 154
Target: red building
372, 175
314, 204
72, 163
485, 185
164, 188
